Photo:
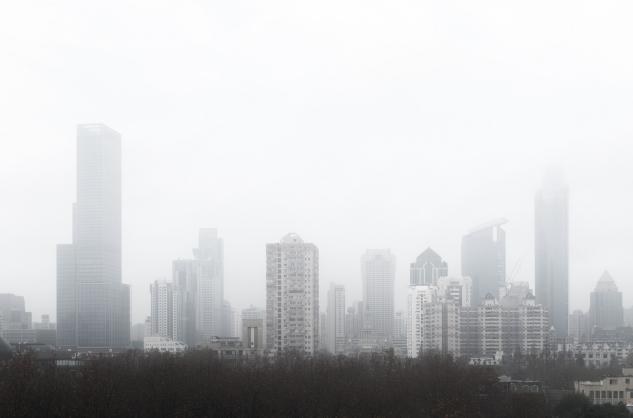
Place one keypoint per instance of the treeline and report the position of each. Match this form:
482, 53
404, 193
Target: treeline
197, 384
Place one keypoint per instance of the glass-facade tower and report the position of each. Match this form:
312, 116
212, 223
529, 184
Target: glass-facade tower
484, 259
427, 269
93, 306
551, 234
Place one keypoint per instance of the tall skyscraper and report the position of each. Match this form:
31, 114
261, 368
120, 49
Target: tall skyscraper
401, 325
210, 305
484, 259
551, 233
605, 309
292, 295
428, 267
378, 271
173, 314
93, 305
185, 278
336, 318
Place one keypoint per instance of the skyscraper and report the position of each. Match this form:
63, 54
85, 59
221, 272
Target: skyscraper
292, 295
428, 267
93, 305
484, 259
605, 308
378, 272
336, 318
185, 278
210, 306
551, 233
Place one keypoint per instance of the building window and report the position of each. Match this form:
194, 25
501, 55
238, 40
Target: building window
613, 381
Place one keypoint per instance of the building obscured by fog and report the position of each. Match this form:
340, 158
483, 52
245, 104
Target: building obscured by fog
378, 271
512, 295
336, 318
605, 309
93, 305
579, 325
210, 280
427, 269
551, 234
484, 259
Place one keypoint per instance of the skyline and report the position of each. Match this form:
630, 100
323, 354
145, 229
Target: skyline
395, 126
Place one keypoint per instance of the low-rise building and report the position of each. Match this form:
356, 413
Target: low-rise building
163, 344
610, 389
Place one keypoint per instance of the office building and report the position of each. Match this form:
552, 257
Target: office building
14, 312
93, 305
605, 308
457, 287
323, 329
351, 323
578, 325
185, 278
210, 304
436, 321
254, 312
378, 272
628, 317
427, 269
551, 229
336, 318
484, 258
292, 295
253, 333
159, 342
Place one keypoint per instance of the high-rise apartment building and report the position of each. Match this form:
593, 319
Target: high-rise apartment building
352, 322
323, 329
484, 258
336, 318
378, 271
185, 278
457, 287
513, 294
93, 305
292, 295
210, 278
605, 309
578, 326
551, 233
427, 269
628, 317
401, 325
436, 321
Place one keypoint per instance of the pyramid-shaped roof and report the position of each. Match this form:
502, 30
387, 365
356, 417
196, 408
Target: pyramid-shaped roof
429, 253
606, 283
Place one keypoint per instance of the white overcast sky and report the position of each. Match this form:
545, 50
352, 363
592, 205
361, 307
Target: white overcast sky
354, 124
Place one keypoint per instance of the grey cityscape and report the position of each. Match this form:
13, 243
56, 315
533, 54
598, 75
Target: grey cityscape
447, 186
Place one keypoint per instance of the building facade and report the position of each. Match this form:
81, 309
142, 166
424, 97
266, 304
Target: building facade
185, 278
551, 233
336, 318
437, 322
484, 258
378, 272
605, 308
401, 325
457, 287
93, 305
578, 325
511, 295
427, 269
292, 295
210, 281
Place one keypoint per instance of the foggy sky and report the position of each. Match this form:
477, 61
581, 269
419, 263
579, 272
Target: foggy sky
354, 124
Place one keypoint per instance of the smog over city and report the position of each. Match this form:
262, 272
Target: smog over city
226, 152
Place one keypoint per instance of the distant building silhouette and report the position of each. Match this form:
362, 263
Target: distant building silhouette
210, 313
93, 305
336, 318
378, 271
605, 309
579, 325
428, 267
484, 259
551, 233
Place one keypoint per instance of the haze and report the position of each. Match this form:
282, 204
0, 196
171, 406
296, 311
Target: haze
356, 125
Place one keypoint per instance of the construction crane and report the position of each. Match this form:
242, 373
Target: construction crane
510, 277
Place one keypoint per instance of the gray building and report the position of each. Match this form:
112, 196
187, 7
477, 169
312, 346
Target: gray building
210, 303
578, 325
185, 278
93, 305
628, 317
378, 271
551, 234
336, 318
427, 269
605, 309
14, 312
484, 259
513, 294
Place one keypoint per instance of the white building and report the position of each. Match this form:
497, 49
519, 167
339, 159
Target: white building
292, 295
378, 271
458, 287
160, 343
437, 321
336, 318
401, 325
